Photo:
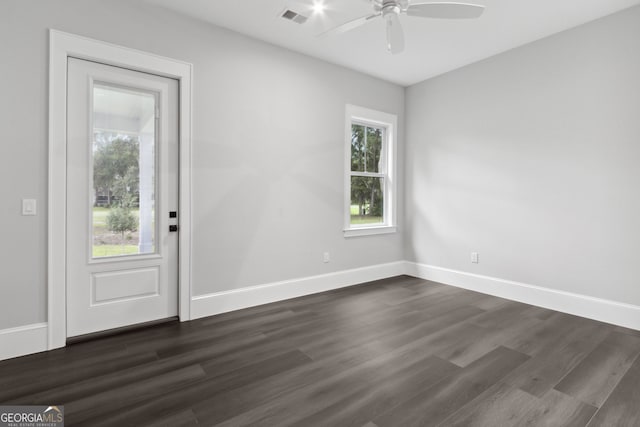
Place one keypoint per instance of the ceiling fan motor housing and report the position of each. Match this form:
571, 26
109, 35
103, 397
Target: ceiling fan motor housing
386, 7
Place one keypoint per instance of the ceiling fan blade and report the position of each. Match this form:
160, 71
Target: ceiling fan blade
445, 10
395, 35
348, 26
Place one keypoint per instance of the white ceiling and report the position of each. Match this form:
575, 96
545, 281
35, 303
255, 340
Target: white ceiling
432, 46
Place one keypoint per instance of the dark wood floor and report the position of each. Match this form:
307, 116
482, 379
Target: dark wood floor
397, 352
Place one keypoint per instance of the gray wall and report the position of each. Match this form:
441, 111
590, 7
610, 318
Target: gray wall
268, 131
532, 159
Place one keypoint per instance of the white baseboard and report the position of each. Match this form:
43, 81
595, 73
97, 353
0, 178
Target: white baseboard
23, 340
222, 302
603, 310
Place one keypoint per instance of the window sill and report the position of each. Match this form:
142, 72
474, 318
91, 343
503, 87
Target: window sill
370, 231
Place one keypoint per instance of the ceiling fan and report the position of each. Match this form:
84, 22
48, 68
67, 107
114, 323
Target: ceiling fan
390, 11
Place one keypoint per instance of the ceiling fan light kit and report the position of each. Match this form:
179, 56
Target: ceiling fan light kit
390, 11
395, 35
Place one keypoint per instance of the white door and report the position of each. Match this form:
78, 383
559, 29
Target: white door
122, 185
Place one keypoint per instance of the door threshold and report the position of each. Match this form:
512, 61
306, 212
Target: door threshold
117, 331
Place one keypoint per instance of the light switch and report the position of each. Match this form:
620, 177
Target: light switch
28, 206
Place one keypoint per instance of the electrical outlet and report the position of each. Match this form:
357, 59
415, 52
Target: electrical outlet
326, 257
474, 257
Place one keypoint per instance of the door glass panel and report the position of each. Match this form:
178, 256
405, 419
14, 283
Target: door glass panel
123, 214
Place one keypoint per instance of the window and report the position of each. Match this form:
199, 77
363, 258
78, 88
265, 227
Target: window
369, 177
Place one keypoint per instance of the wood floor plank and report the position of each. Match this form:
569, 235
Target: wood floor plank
489, 303
542, 372
504, 315
500, 405
558, 409
184, 418
214, 384
626, 331
426, 289
402, 330
622, 408
437, 333
554, 332
114, 379
241, 341
593, 379
345, 337
538, 312
345, 321
107, 402
369, 402
434, 405
313, 397
219, 406
229, 361
470, 343
484, 340
256, 371
25, 382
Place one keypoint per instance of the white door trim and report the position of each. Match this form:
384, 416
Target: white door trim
61, 46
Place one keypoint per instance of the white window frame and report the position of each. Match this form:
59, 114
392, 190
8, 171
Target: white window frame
378, 119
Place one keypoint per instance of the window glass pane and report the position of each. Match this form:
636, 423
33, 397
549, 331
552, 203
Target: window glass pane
373, 149
357, 148
367, 202
122, 213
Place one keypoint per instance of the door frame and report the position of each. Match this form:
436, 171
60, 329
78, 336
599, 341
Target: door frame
61, 46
